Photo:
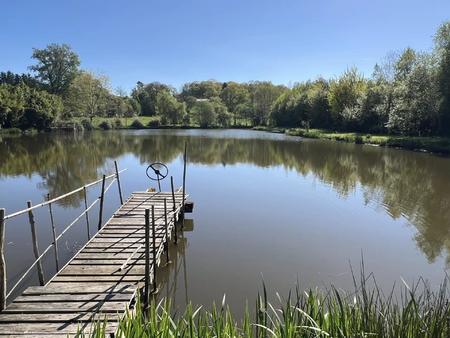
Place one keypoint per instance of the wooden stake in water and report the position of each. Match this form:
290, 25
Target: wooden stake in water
55, 243
2, 261
102, 197
147, 258
166, 243
118, 182
184, 180
35, 243
155, 288
86, 214
174, 208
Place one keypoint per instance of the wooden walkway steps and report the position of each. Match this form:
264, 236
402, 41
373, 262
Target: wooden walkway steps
102, 279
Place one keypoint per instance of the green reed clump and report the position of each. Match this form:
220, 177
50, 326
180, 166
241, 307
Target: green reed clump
412, 312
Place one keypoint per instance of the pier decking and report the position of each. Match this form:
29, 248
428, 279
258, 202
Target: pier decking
103, 278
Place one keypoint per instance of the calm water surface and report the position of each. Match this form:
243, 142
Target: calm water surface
267, 206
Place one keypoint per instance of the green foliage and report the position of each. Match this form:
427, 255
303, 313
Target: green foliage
204, 113
57, 65
87, 95
118, 124
87, 124
137, 124
25, 107
365, 312
169, 108
105, 125
201, 89
146, 96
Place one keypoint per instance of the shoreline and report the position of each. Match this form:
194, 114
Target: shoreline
429, 144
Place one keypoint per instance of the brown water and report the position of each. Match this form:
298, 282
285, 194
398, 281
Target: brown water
267, 206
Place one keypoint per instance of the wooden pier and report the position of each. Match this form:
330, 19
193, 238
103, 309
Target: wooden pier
103, 279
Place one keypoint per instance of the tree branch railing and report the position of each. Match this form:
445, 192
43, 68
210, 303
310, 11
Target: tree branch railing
4, 295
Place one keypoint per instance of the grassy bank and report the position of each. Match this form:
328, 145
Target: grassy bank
413, 312
431, 144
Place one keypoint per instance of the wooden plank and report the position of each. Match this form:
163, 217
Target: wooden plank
79, 288
105, 270
97, 279
99, 297
58, 307
28, 329
57, 317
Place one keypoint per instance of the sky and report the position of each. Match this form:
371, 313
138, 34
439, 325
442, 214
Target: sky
227, 40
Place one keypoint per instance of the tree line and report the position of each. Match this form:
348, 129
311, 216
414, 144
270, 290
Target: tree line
408, 93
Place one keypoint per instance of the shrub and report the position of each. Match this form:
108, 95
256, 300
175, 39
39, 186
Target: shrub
118, 123
105, 125
358, 139
137, 124
163, 120
153, 124
87, 125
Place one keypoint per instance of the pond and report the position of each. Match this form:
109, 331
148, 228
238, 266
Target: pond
268, 207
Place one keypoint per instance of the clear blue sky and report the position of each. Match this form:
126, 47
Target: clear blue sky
179, 41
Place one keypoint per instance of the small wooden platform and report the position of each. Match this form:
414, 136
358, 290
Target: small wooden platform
95, 284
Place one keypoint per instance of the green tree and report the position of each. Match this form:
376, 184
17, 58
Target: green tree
146, 95
233, 94
263, 95
204, 113
25, 107
169, 108
201, 89
87, 95
57, 65
343, 97
442, 50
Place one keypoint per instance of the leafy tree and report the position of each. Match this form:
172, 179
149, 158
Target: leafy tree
201, 89
15, 79
57, 65
169, 108
442, 50
25, 107
263, 95
87, 95
343, 97
204, 113
146, 95
233, 94
415, 108
221, 112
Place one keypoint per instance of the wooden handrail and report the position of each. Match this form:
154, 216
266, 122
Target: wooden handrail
60, 197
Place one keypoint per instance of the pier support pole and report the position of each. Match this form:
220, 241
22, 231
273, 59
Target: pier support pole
184, 182
155, 259
166, 224
55, 243
147, 258
175, 239
2, 261
35, 243
86, 214
118, 182
102, 197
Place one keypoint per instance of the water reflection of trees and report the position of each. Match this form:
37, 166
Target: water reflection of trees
406, 184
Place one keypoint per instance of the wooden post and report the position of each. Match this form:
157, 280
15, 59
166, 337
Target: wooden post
118, 182
55, 243
102, 197
2, 261
175, 237
154, 249
184, 180
86, 214
166, 242
147, 258
35, 244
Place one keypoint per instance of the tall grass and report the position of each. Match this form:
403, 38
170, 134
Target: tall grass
408, 312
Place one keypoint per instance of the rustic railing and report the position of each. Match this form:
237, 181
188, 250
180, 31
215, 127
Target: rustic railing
4, 295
